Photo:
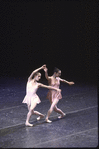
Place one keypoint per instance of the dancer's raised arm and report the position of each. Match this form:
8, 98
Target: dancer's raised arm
49, 87
70, 83
46, 73
30, 77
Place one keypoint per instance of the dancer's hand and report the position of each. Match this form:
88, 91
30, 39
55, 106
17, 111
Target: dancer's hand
45, 69
71, 83
59, 90
44, 66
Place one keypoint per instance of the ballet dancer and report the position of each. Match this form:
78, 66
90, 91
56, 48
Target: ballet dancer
31, 98
53, 95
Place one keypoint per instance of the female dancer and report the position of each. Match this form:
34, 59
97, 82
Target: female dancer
31, 98
53, 95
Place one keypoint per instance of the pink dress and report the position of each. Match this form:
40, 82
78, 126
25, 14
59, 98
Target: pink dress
53, 94
31, 95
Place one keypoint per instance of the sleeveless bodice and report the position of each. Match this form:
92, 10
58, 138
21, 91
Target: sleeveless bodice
31, 89
31, 95
56, 84
53, 94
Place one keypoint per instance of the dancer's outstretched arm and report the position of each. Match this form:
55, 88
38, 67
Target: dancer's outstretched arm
49, 87
70, 83
30, 77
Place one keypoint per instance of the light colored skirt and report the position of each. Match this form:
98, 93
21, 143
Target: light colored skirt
29, 99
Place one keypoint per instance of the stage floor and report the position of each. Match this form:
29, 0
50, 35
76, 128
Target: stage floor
79, 128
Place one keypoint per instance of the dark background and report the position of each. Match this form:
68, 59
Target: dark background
58, 33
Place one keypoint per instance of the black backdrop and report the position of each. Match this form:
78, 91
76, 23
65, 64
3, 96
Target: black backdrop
59, 33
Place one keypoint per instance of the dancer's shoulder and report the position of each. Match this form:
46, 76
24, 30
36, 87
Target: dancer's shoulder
58, 78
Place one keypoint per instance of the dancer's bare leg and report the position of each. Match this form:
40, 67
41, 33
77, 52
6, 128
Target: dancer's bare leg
51, 109
59, 111
28, 117
30, 113
38, 113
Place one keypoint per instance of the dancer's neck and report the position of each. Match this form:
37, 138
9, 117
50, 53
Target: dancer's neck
54, 75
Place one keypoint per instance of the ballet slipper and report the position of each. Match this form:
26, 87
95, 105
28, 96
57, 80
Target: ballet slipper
61, 116
28, 124
38, 118
48, 121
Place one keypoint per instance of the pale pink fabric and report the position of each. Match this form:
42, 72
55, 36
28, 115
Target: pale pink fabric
53, 94
31, 95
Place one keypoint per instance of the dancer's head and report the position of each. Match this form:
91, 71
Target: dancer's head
37, 76
57, 72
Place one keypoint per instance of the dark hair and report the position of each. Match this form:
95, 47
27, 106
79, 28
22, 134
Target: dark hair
56, 70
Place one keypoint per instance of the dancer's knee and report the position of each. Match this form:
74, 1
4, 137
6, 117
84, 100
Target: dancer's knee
55, 109
30, 111
34, 112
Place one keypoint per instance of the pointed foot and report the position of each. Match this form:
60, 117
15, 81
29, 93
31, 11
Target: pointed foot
28, 124
61, 116
48, 121
38, 118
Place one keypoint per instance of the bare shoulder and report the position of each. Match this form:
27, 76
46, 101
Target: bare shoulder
39, 84
29, 79
58, 78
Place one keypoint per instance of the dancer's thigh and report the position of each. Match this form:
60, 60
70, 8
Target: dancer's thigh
54, 103
33, 105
